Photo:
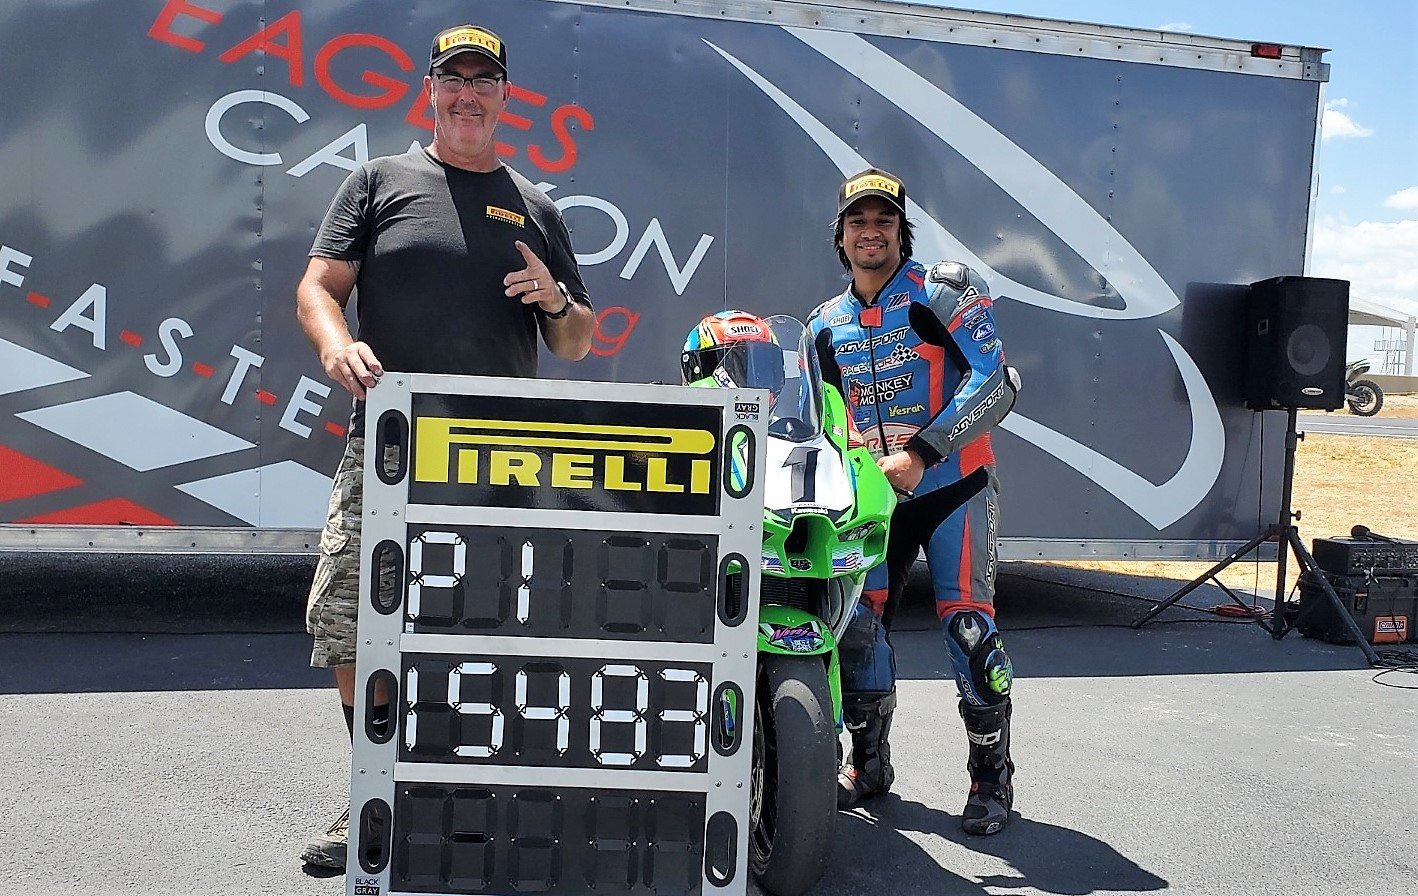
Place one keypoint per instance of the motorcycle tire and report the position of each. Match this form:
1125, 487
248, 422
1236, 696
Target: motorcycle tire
1364, 398
793, 800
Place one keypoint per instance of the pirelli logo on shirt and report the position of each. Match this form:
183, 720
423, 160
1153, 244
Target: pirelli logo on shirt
502, 214
559, 454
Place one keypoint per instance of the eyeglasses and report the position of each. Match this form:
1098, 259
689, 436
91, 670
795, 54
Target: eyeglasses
483, 85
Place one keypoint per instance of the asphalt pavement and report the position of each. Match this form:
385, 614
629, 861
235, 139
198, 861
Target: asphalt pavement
162, 734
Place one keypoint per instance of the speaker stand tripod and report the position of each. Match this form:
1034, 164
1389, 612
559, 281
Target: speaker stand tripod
1284, 532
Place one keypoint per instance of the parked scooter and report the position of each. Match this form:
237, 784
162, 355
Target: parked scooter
1363, 396
826, 510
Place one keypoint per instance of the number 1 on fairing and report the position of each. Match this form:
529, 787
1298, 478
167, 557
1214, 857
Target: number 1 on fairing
803, 461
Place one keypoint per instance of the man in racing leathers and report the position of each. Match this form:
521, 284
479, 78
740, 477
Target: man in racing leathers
915, 350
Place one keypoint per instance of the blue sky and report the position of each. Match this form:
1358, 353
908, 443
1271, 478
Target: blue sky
1366, 211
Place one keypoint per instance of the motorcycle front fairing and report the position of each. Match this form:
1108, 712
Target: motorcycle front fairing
826, 504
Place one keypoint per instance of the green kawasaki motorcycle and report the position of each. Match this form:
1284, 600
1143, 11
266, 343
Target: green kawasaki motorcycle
826, 511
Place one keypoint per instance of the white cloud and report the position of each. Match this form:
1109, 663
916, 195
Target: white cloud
1338, 189
1337, 124
1404, 199
1176, 26
1378, 258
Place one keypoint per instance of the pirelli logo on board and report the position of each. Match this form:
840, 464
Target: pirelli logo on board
558, 454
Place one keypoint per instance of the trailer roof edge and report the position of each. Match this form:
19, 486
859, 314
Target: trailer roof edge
888, 18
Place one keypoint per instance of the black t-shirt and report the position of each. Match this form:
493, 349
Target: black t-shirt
434, 243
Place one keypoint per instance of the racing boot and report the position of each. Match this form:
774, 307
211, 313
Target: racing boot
869, 773
991, 770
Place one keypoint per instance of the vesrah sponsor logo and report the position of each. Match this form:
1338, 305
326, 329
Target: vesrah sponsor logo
905, 411
580, 455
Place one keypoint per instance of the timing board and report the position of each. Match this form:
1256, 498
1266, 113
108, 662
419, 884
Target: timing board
545, 597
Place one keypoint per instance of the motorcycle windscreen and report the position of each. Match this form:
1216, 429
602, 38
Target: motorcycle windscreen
796, 410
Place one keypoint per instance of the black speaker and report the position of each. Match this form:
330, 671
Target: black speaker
1296, 330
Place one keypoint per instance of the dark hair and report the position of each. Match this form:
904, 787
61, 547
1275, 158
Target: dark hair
907, 232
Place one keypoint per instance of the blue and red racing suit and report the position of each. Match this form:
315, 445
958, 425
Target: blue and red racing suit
927, 373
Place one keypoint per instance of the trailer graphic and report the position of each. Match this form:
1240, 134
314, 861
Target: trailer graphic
1116, 188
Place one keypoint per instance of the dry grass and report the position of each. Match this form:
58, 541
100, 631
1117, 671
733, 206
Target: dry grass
1340, 481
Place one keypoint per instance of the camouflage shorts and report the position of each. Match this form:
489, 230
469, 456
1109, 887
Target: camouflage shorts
332, 610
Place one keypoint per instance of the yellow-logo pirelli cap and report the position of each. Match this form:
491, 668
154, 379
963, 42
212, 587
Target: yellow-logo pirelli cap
872, 182
464, 39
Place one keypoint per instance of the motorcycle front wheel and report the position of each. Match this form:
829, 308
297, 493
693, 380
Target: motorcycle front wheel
793, 801
1365, 398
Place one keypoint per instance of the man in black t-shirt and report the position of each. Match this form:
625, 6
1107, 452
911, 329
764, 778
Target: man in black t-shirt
460, 263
